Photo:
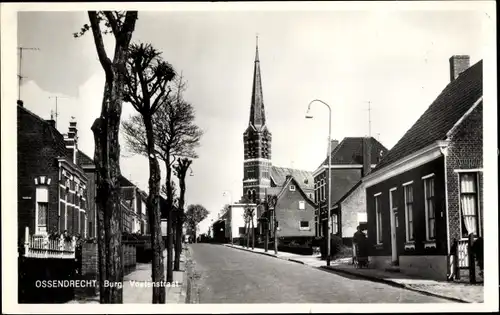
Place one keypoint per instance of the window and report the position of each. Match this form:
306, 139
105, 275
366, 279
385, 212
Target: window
468, 204
323, 189
430, 211
378, 219
302, 205
335, 223
42, 207
292, 187
410, 234
304, 225
65, 218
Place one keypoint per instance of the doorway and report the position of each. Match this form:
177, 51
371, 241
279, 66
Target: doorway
394, 225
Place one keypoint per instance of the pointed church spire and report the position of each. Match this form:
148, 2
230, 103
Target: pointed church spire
257, 115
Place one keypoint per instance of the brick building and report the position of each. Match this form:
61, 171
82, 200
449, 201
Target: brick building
351, 159
294, 210
133, 205
427, 190
52, 187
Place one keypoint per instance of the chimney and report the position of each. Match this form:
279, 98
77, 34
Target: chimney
20, 103
333, 145
71, 140
367, 156
458, 64
51, 122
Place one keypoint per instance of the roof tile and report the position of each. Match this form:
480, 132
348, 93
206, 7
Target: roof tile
453, 102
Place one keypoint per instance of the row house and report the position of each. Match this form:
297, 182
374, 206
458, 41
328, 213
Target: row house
52, 187
294, 210
351, 159
135, 214
427, 192
133, 200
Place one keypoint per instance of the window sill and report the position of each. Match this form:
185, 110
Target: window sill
379, 246
305, 229
410, 245
430, 244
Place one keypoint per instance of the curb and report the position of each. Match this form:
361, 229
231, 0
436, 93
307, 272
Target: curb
190, 286
370, 278
267, 254
393, 283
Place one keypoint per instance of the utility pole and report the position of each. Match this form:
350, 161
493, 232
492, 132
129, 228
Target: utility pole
20, 73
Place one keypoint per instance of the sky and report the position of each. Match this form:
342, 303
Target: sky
396, 60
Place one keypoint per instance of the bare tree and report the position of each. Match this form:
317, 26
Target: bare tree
176, 135
107, 149
147, 89
181, 169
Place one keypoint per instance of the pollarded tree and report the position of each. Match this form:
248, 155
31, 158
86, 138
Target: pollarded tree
181, 169
107, 149
147, 89
176, 135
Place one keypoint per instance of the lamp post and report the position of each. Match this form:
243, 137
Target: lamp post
330, 229
230, 217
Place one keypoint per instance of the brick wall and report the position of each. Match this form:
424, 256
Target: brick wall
90, 262
289, 215
355, 203
342, 181
36, 156
437, 167
465, 151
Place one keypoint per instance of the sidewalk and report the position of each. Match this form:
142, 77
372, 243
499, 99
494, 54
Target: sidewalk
136, 290
458, 292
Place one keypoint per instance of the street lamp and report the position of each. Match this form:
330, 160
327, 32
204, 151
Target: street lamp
309, 116
230, 213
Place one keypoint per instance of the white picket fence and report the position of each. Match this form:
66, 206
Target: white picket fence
40, 246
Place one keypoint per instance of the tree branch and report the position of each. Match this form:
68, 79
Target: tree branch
99, 44
113, 23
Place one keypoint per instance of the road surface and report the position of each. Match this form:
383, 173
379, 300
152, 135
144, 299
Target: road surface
228, 275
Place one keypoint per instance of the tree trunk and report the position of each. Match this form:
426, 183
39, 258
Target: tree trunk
107, 160
275, 228
107, 157
154, 215
248, 233
180, 221
101, 247
253, 234
170, 196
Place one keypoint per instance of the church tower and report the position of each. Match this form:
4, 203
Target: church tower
257, 142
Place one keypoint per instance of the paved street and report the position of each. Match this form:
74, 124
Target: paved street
228, 275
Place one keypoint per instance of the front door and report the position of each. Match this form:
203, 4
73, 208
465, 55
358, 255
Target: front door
394, 225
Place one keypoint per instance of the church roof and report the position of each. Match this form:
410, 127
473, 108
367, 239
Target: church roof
257, 112
304, 178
